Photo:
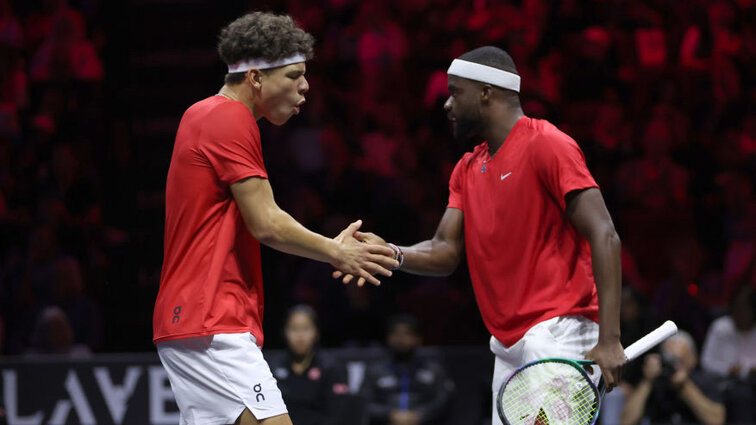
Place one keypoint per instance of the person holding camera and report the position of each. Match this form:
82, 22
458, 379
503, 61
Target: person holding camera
673, 389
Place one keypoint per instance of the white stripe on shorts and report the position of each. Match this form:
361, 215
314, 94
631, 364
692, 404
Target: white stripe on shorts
215, 377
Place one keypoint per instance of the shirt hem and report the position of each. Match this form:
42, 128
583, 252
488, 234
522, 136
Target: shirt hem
157, 340
588, 313
260, 174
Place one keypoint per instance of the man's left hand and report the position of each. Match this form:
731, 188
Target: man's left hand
610, 357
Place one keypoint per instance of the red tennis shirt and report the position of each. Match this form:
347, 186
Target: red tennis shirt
211, 280
527, 261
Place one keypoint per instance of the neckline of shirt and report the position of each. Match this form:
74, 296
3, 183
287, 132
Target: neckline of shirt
488, 157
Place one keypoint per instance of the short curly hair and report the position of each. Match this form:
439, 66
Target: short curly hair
262, 35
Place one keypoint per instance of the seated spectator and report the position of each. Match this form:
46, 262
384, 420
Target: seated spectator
69, 292
314, 386
406, 389
66, 54
681, 296
656, 181
11, 32
730, 352
674, 390
53, 335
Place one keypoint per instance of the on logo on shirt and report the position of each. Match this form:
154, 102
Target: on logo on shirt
176, 314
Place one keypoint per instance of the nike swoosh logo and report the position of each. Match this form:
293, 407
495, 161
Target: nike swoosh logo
504, 176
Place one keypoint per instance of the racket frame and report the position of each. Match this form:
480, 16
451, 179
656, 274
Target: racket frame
577, 364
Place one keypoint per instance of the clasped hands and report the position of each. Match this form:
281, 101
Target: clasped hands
362, 255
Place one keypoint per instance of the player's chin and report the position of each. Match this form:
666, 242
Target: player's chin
460, 134
463, 133
281, 118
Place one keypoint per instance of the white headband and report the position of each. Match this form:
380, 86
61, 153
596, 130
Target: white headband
246, 65
485, 74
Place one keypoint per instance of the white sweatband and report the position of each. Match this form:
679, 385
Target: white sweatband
484, 74
246, 65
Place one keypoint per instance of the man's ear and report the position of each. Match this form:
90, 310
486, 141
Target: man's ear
254, 77
486, 92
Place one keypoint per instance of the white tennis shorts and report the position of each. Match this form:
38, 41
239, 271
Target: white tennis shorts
215, 377
569, 337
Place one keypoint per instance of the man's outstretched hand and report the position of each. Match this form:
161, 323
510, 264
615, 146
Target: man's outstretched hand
359, 257
365, 238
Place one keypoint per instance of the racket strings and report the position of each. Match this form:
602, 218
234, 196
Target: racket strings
548, 393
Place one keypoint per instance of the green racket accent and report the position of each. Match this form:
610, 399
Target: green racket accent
550, 391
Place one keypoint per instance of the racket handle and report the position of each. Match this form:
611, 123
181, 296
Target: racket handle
649, 341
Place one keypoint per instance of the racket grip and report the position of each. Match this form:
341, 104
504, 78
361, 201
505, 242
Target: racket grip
649, 341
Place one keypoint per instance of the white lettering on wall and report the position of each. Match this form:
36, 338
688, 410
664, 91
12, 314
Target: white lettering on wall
10, 400
79, 401
160, 392
117, 396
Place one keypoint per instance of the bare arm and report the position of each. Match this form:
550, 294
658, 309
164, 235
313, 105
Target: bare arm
272, 226
706, 410
635, 405
435, 257
587, 212
441, 255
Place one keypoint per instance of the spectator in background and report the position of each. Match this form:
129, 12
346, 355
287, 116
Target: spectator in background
40, 22
11, 32
66, 53
655, 181
53, 335
730, 352
381, 47
674, 390
739, 223
314, 385
13, 84
82, 312
406, 389
678, 297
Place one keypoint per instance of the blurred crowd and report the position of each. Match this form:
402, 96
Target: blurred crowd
658, 93
52, 227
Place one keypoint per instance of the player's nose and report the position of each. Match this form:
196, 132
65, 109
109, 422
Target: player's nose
447, 104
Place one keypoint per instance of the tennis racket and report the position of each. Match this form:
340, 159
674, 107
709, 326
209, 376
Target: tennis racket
556, 391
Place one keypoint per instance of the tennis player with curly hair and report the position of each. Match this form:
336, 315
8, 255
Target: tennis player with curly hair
219, 207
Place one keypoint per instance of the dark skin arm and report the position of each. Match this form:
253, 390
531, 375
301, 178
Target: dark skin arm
438, 256
441, 255
587, 212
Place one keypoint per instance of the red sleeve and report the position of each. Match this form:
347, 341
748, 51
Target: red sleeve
456, 183
233, 147
560, 165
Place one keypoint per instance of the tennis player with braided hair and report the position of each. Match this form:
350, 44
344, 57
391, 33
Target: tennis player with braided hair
219, 208
543, 254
